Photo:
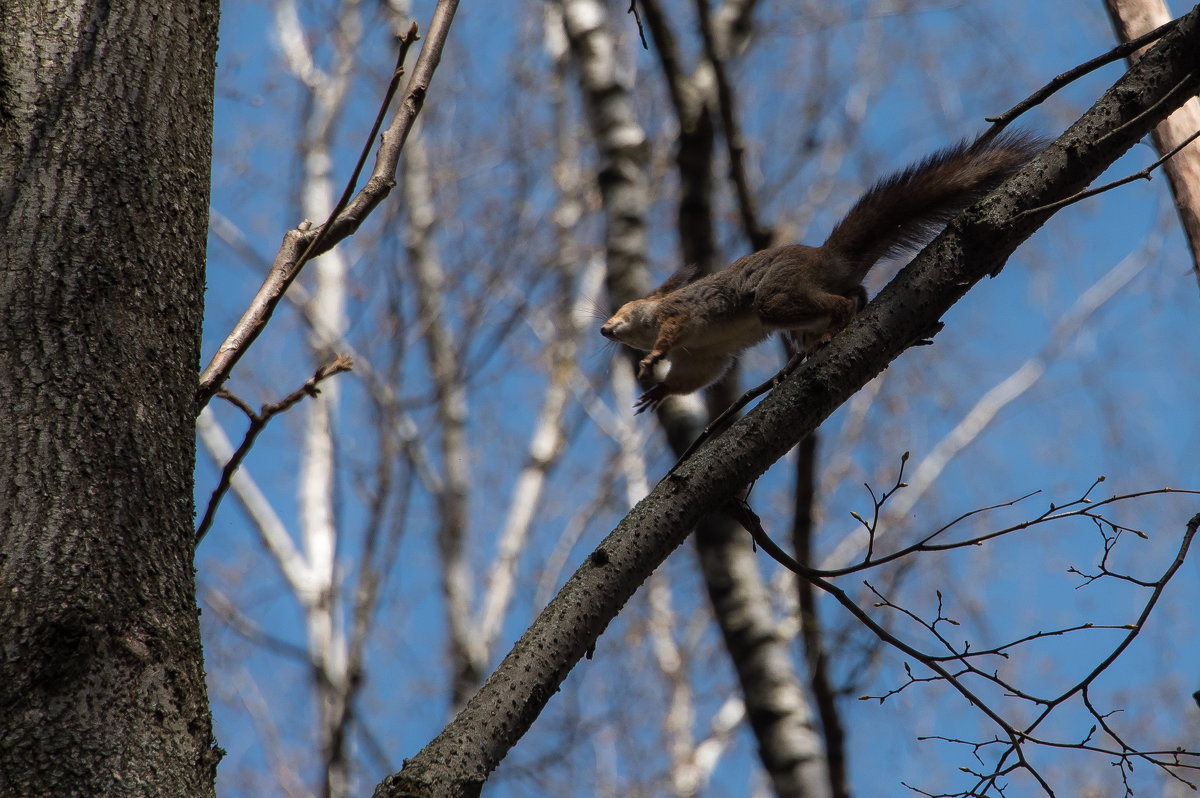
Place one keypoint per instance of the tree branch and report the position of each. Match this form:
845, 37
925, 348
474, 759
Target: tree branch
1071, 75
304, 243
258, 421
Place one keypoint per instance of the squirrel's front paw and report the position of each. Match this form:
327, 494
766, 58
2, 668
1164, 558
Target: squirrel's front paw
648, 363
651, 399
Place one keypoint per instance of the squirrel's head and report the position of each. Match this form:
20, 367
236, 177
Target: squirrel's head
635, 324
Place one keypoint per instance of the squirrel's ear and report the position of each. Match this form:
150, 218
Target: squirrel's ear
681, 277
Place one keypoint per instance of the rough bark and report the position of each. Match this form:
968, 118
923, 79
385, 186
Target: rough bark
976, 244
105, 147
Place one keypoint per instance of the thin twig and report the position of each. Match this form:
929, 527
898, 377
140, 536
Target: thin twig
730, 413
1013, 757
741, 512
1084, 507
1071, 75
1135, 628
667, 48
258, 421
638, 19
323, 232
1143, 174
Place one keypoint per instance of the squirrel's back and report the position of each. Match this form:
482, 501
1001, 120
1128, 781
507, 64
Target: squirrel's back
905, 210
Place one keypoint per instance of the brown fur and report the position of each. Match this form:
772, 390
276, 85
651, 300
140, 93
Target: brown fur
697, 326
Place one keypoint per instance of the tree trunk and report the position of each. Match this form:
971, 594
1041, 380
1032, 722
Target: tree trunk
105, 148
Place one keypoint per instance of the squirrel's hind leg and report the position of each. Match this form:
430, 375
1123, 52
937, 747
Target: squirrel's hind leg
812, 315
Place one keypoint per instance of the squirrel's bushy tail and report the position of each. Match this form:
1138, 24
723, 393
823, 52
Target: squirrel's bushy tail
912, 206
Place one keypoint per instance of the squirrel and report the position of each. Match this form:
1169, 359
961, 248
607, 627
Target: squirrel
697, 326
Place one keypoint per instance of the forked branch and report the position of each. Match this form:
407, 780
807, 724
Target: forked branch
258, 421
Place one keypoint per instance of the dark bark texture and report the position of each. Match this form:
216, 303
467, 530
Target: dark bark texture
105, 152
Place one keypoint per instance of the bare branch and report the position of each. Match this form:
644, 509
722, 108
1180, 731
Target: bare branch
258, 421
621, 142
246, 628
451, 402
988, 407
813, 632
271, 530
284, 775
1141, 174
301, 244
1017, 735
637, 18
759, 235
1071, 75
545, 446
